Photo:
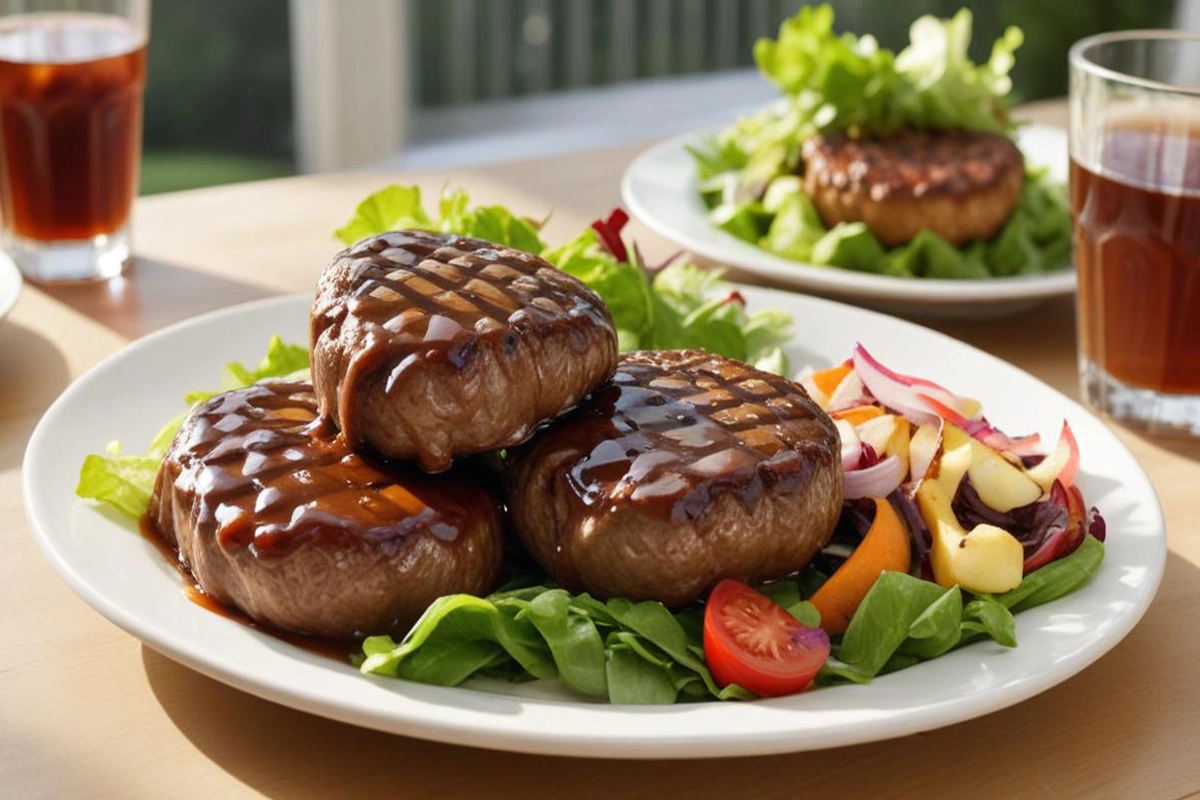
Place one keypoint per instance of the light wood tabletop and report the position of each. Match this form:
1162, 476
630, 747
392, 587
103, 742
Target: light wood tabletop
87, 710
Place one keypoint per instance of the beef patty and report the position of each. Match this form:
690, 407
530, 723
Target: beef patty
429, 346
274, 515
962, 185
686, 469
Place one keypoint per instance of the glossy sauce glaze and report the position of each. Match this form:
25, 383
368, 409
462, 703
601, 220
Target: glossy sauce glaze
412, 297
260, 466
676, 430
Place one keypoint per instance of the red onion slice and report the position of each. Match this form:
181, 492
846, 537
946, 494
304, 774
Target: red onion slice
964, 406
877, 481
982, 430
891, 392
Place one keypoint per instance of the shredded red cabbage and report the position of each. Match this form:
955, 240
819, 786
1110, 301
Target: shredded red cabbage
1096, 526
869, 457
1047, 529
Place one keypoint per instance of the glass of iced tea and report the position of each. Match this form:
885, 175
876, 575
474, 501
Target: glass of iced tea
1135, 199
72, 74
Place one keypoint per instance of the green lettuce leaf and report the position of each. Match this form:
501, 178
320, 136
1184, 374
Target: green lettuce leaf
839, 81
492, 223
622, 286
1037, 238
943, 88
281, 361
394, 207
123, 482
904, 620
847, 81
388, 209
682, 306
627, 652
1056, 579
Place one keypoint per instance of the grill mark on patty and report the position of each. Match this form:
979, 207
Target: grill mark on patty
415, 297
647, 438
236, 452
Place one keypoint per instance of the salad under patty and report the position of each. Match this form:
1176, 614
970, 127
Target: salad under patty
899, 164
940, 527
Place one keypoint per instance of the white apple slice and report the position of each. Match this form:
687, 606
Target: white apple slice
1000, 485
923, 450
984, 559
878, 432
1061, 465
899, 443
849, 392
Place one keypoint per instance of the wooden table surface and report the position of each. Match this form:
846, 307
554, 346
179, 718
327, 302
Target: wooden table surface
87, 710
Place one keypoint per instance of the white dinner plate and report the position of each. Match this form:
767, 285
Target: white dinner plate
127, 580
10, 285
661, 188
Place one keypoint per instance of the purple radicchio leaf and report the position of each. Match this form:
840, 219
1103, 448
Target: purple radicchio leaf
1032, 525
906, 507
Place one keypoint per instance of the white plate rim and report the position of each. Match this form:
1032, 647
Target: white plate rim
701, 238
475, 728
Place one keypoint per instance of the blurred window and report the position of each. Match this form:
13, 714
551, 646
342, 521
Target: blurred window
239, 89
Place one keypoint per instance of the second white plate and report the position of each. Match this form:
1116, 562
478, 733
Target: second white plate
661, 188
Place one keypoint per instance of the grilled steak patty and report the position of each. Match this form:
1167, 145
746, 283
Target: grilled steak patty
687, 468
962, 185
429, 346
274, 515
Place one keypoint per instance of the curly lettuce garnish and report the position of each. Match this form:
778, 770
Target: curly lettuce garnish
394, 207
848, 81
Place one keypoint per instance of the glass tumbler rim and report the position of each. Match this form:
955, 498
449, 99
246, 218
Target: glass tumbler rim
1078, 57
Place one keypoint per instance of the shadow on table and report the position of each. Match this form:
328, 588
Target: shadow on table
151, 295
1018, 751
1188, 447
32, 373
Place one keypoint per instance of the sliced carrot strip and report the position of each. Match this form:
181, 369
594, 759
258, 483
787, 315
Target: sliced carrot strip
885, 548
828, 379
858, 415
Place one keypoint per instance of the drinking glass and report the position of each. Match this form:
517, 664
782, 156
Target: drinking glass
1135, 201
72, 74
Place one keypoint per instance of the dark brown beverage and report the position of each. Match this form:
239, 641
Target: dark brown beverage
1137, 234
70, 124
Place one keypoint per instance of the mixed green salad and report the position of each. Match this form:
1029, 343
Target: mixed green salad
641, 652
749, 173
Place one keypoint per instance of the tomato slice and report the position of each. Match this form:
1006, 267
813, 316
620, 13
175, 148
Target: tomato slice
752, 641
